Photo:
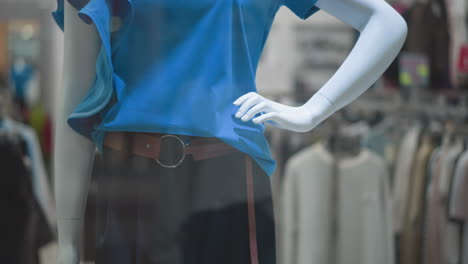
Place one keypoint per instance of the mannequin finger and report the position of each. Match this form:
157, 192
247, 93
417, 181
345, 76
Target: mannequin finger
243, 98
253, 111
265, 117
246, 105
277, 120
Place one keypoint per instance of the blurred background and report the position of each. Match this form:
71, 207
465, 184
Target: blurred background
385, 178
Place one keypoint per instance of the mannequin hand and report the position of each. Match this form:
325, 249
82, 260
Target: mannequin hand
67, 255
297, 119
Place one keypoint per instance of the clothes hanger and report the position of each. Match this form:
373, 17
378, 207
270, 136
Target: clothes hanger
345, 138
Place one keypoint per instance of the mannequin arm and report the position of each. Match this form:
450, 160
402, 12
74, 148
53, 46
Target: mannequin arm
73, 154
382, 34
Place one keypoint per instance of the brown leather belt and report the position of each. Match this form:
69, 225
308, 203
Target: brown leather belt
148, 145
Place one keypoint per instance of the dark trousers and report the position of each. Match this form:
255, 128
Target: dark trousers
196, 213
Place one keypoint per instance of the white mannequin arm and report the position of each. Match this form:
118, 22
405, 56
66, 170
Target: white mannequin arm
73, 153
383, 32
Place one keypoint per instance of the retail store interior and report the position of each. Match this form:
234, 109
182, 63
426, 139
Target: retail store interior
385, 178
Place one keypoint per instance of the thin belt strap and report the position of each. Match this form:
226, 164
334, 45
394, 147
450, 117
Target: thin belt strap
251, 211
148, 145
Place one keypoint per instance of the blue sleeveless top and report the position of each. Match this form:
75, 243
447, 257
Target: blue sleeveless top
176, 66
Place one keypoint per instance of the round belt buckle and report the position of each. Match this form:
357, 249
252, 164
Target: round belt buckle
182, 156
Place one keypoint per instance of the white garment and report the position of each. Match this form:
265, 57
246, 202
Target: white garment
364, 213
405, 159
458, 207
442, 244
450, 230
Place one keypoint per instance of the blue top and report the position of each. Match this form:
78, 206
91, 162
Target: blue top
176, 66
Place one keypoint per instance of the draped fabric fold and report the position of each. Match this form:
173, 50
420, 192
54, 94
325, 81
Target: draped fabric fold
102, 94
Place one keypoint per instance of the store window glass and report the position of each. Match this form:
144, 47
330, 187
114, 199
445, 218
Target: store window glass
234, 131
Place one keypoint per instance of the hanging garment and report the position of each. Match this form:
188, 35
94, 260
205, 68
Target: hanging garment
20, 79
451, 249
457, 14
25, 228
364, 222
411, 236
433, 166
381, 140
377, 138
39, 178
404, 166
431, 221
428, 35
37, 116
160, 61
458, 206
441, 235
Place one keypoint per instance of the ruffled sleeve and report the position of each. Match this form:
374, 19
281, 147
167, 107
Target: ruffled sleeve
302, 8
58, 14
89, 112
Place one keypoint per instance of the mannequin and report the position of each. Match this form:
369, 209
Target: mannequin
383, 32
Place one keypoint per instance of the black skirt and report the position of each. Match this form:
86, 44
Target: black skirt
196, 213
